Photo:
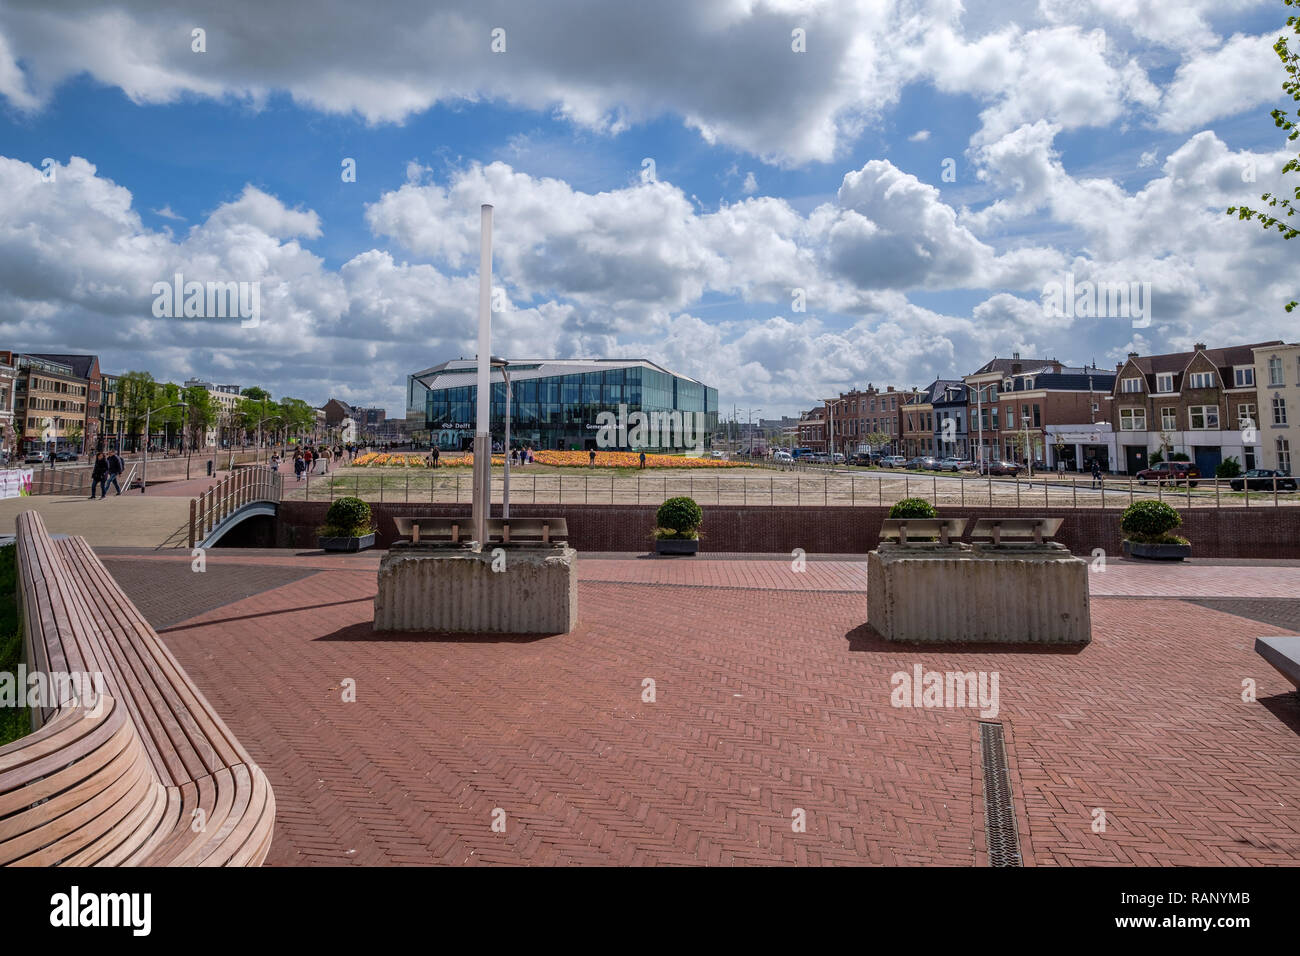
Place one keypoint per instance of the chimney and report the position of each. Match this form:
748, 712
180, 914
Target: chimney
1015, 367
890, 388
1119, 366
1132, 355
1199, 346
1015, 355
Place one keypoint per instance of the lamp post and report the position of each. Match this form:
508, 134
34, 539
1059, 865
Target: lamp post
505, 485
482, 436
144, 465
273, 418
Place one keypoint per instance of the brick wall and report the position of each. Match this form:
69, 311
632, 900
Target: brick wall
1220, 533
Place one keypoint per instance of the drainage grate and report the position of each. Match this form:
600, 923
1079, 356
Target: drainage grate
999, 811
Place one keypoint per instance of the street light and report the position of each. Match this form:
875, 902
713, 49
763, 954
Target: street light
144, 466
502, 364
273, 418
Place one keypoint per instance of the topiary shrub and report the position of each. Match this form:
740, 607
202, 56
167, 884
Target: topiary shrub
346, 518
1151, 522
913, 508
678, 518
1228, 468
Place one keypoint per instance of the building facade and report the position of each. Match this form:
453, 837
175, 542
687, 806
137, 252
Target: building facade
225, 400
1202, 403
858, 415
560, 404
1277, 380
49, 404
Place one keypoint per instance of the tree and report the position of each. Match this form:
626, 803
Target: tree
72, 434
200, 415
136, 392
1285, 207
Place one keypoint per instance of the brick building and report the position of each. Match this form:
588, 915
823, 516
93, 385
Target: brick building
917, 417
1203, 403
860, 413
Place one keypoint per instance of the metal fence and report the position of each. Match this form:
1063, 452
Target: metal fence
877, 489
241, 487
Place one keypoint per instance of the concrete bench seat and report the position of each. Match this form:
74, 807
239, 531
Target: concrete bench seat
901, 529
545, 531
1283, 653
140, 771
1020, 530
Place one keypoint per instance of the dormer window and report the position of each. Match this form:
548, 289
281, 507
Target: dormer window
1007, 385
1130, 385
1201, 380
1165, 383
1029, 383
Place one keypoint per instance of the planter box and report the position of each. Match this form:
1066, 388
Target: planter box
677, 546
1157, 552
347, 544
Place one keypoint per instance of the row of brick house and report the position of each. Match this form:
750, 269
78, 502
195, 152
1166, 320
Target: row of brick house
1208, 404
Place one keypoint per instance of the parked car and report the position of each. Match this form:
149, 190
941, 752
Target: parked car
838, 458
784, 457
719, 454
65, 456
34, 458
952, 463
1263, 479
1170, 472
892, 461
922, 463
999, 467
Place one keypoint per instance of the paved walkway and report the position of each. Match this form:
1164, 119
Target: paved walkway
771, 697
128, 520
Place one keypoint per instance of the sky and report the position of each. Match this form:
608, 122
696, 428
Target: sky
781, 199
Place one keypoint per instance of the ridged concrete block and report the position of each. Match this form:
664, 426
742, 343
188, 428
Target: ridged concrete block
533, 590
1016, 594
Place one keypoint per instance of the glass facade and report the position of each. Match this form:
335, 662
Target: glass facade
561, 411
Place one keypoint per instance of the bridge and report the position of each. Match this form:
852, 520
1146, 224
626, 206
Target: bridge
245, 493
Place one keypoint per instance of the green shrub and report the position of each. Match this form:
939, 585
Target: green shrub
1150, 522
1179, 456
14, 721
913, 508
679, 518
1155, 458
1228, 468
346, 518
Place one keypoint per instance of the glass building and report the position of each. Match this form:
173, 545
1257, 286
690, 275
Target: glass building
556, 403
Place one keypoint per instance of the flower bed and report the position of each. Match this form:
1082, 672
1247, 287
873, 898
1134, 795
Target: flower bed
387, 460
630, 459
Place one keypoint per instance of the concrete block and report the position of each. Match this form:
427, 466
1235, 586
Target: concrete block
511, 590
1009, 594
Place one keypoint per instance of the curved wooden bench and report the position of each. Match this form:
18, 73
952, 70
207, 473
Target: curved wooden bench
144, 774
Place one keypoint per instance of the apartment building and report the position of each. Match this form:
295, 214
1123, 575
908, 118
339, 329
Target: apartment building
1203, 403
858, 414
1277, 380
225, 399
984, 411
86, 369
917, 418
49, 403
812, 429
8, 434
951, 420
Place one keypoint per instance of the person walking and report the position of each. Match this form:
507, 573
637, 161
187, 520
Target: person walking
115, 467
1096, 473
642, 461
99, 476
299, 465
592, 457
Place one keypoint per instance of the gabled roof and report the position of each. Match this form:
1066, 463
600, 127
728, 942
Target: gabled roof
1176, 363
1004, 365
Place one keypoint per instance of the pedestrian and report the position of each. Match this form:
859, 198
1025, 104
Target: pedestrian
99, 476
642, 462
1096, 473
593, 456
299, 465
115, 467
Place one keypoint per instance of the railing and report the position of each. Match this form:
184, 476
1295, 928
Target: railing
242, 487
874, 488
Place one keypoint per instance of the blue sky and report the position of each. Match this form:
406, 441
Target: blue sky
1109, 163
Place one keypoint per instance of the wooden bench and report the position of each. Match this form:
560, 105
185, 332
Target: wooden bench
146, 774
1021, 530
898, 529
1283, 653
503, 530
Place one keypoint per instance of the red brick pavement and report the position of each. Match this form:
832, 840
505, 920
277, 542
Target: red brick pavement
768, 700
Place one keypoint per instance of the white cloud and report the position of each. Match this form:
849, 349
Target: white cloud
920, 136
1243, 73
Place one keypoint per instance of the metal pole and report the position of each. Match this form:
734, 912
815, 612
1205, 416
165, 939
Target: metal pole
144, 466
482, 438
505, 490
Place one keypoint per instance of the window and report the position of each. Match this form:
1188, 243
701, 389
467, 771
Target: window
995, 419
1243, 377
1169, 419
1248, 456
1007, 385
993, 393
1011, 418
1245, 415
1096, 407
1131, 385
1132, 419
1284, 456
1203, 417
1279, 411
1201, 380
1037, 418
1275, 372
1165, 382
1029, 383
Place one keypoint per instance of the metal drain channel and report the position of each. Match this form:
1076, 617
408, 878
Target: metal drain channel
999, 811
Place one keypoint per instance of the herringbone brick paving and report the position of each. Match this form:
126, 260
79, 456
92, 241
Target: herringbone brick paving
770, 696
